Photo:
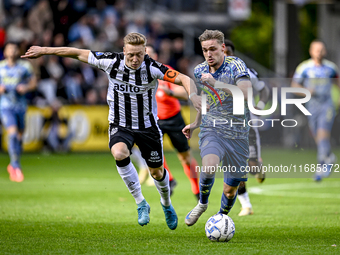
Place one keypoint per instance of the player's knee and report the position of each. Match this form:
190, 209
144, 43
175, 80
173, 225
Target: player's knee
120, 155
156, 173
230, 192
12, 130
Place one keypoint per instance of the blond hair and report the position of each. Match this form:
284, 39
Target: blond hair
135, 39
212, 35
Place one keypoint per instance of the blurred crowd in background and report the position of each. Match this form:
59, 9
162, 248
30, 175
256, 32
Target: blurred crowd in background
96, 25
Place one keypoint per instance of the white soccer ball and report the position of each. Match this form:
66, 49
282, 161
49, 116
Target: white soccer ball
220, 228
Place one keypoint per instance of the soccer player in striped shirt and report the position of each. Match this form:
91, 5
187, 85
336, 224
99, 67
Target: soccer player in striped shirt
222, 141
133, 111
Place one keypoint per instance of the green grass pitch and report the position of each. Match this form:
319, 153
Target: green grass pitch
78, 204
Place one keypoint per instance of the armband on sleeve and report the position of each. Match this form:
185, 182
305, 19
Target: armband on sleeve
170, 75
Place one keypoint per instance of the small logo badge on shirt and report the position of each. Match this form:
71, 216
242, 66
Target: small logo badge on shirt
144, 75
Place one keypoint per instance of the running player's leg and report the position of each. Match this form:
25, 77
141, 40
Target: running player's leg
254, 166
21, 128
243, 197
121, 142
322, 137
143, 170
172, 181
10, 122
207, 179
150, 143
211, 153
235, 163
189, 164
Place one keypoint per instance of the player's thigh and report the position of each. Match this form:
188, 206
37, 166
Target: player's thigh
235, 162
20, 119
209, 143
119, 136
150, 143
325, 121
9, 120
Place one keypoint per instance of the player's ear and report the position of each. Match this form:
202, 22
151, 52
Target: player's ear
223, 47
124, 50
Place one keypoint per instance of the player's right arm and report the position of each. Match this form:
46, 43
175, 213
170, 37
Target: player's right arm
70, 52
189, 129
298, 80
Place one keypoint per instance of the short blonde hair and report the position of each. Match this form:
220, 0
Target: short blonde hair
135, 39
211, 35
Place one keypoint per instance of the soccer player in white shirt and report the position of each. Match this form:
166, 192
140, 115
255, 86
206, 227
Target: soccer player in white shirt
133, 111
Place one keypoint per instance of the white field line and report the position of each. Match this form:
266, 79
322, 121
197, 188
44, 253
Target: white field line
296, 190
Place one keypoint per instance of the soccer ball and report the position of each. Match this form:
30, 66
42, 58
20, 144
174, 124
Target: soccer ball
220, 228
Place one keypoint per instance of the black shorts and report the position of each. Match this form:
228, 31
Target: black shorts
149, 141
173, 127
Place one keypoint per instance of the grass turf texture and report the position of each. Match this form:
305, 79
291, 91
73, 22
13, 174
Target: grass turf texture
78, 204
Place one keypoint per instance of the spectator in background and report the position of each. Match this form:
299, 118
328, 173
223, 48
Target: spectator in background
56, 134
72, 81
17, 32
88, 76
47, 86
81, 30
177, 51
40, 18
138, 24
165, 51
91, 97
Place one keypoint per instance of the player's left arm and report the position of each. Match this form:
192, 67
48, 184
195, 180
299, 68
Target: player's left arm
189, 85
264, 97
174, 91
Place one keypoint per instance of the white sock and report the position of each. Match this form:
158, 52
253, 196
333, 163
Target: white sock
130, 177
244, 200
164, 189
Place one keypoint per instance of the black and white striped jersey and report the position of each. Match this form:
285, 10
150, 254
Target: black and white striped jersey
131, 93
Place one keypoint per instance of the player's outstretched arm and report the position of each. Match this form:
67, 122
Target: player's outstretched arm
176, 92
37, 51
189, 129
190, 87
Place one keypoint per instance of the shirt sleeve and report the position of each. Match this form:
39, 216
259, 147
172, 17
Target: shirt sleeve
158, 70
102, 60
239, 69
299, 75
336, 71
255, 82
